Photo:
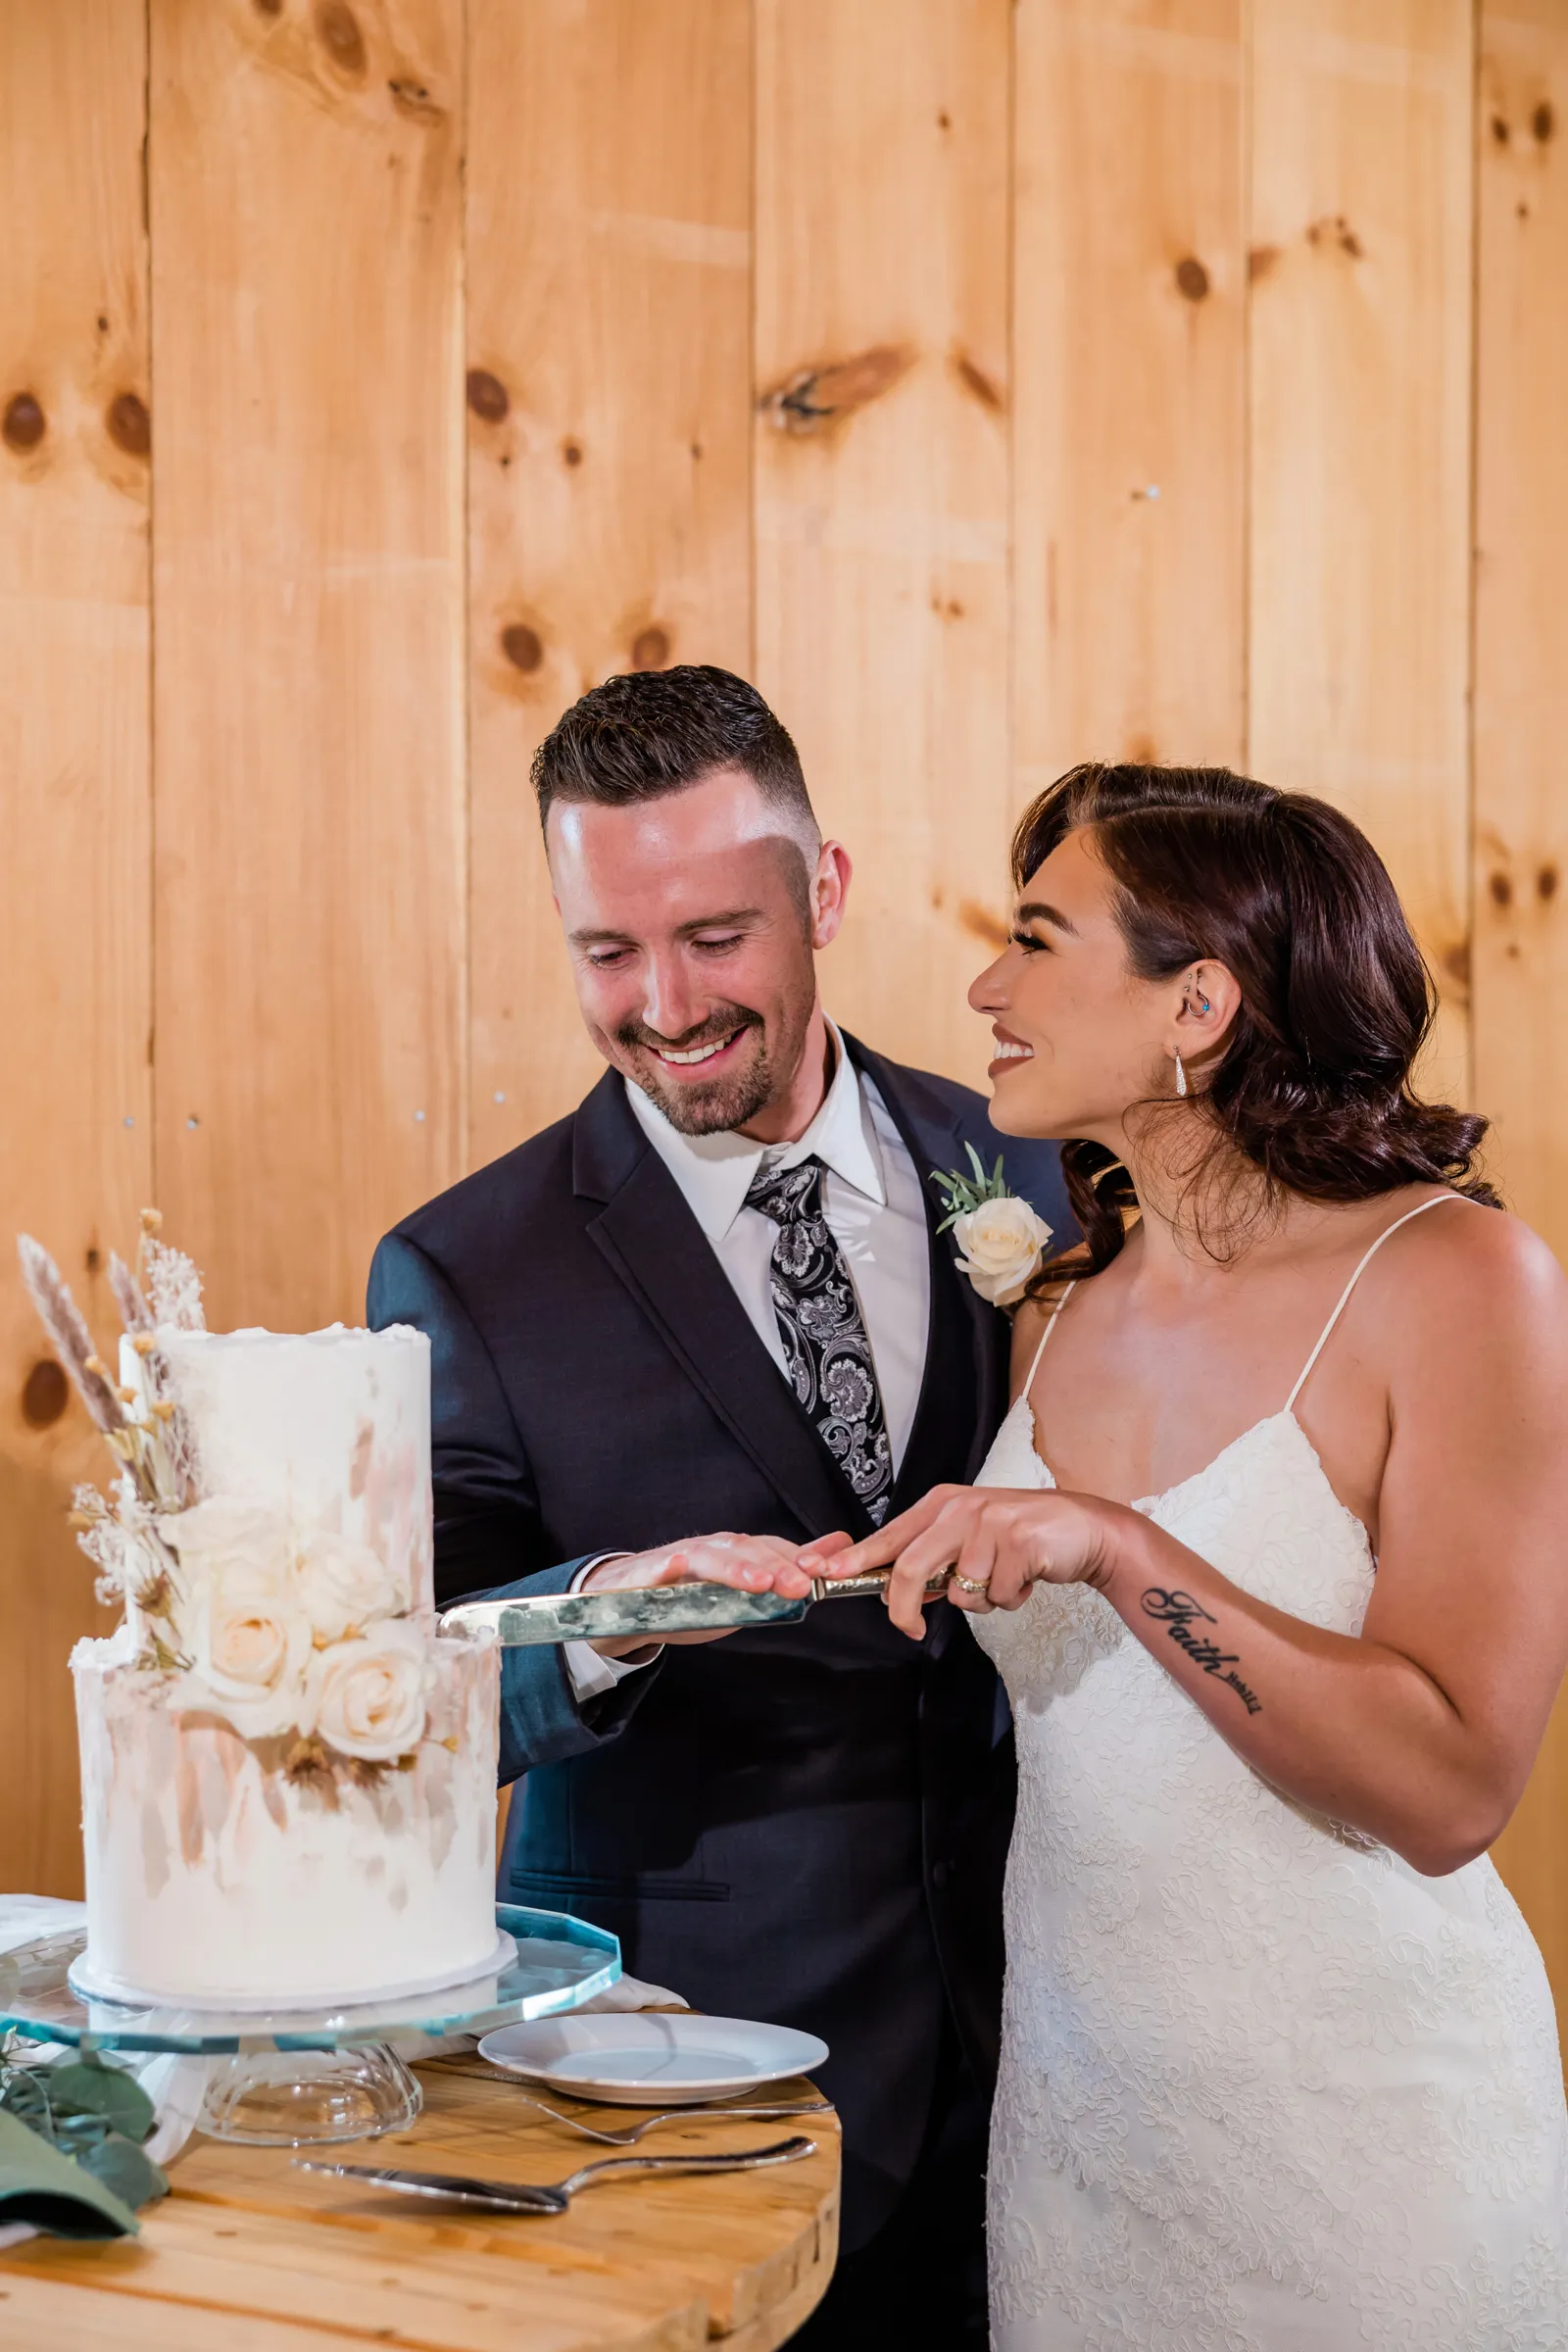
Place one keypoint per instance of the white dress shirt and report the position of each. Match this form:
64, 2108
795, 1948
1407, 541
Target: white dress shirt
875, 1209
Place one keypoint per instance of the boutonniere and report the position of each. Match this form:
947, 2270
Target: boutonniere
1000, 1240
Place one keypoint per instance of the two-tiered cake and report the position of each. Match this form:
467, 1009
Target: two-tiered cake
288, 1777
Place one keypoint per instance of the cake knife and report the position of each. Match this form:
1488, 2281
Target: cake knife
654, 1612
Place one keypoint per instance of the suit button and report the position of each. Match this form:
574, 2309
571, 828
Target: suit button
940, 1873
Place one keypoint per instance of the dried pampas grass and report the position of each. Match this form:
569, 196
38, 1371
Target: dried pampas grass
63, 1320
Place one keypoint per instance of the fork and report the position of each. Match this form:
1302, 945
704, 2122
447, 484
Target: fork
672, 2115
550, 2197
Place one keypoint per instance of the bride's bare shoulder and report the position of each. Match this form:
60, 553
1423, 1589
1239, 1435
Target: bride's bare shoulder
1474, 1251
1475, 1291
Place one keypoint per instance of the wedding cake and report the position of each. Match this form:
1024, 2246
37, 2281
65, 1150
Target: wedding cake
288, 1775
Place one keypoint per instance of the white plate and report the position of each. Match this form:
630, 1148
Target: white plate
644, 2059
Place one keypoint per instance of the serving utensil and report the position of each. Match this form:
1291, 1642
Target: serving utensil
673, 2115
653, 1613
542, 2197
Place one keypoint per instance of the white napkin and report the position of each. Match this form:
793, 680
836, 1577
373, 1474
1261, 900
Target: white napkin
630, 1992
24, 1916
627, 1992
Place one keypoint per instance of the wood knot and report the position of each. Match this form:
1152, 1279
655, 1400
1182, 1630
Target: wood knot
1337, 230
1501, 889
982, 924
1260, 259
267, 7
1543, 122
974, 379
410, 97
571, 452
522, 647
1192, 278
814, 398
340, 36
1547, 881
131, 428
488, 396
22, 427
45, 1394
1499, 131
650, 647
1455, 962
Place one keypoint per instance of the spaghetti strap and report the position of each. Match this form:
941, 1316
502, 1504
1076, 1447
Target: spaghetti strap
1420, 1209
1050, 1325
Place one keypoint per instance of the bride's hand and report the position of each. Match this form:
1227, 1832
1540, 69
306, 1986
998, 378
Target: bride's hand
1002, 1540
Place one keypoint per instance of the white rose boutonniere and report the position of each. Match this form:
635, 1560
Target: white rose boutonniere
370, 1692
240, 1623
1001, 1241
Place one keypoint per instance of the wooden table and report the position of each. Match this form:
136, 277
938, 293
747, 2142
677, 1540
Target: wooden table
247, 2255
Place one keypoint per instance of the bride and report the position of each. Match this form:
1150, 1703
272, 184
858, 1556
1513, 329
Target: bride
1271, 1555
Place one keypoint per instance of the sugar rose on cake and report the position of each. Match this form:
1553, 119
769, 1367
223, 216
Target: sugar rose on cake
288, 1773
368, 1694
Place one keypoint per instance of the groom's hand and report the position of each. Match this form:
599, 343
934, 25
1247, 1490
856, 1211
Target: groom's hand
749, 1564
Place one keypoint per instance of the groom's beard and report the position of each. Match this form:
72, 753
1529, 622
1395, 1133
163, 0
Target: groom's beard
759, 1065
694, 1106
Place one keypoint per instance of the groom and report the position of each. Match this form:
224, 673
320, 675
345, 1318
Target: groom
716, 1298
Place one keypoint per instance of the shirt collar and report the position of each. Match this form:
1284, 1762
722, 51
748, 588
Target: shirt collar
715, 1172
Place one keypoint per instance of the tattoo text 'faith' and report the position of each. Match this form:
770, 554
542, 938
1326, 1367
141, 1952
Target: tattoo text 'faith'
1177, 1612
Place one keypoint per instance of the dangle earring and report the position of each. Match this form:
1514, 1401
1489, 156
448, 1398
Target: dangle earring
1181, 1076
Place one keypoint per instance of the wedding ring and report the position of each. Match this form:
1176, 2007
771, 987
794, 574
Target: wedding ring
971, 1584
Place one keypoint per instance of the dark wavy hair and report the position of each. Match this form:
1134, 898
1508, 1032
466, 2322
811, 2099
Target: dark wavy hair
1312, 1090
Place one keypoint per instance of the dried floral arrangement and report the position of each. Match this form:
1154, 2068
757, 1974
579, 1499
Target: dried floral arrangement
297, 1636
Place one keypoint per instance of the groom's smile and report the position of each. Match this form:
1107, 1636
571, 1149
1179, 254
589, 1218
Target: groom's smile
693, 921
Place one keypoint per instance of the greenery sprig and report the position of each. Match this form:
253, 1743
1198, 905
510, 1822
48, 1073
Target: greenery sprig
92, 2112
962, 1193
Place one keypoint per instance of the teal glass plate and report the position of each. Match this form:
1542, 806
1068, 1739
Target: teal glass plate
559, 1962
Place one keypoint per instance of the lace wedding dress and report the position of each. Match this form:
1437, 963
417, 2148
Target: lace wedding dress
1264, 2087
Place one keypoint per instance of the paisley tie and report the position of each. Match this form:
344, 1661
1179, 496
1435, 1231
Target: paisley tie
825, 1345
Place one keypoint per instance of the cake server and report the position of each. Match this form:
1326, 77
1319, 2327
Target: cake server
648, 1615
528, 2196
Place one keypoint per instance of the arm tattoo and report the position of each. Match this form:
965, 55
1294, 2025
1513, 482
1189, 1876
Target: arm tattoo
1176, 1612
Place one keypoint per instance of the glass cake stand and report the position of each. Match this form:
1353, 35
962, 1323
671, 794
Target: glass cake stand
295, 2076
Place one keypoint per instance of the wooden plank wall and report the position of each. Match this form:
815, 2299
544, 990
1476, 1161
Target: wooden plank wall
882, 477
1520, 837
999, 383
304, 174
608, 397
75, 917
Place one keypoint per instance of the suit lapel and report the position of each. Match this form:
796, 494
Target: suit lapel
652, 1242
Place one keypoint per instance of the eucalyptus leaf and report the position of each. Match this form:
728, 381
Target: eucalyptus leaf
86, 2086
125, 2169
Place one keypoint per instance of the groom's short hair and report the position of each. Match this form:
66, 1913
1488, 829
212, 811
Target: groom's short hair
655, 731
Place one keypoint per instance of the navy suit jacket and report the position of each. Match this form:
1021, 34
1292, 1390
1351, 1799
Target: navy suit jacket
807, 1823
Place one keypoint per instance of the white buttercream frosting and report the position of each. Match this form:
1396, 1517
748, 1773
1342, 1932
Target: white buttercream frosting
214, 1877
330, 1429
288, 1779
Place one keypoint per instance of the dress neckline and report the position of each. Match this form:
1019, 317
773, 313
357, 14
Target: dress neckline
1148, 1504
